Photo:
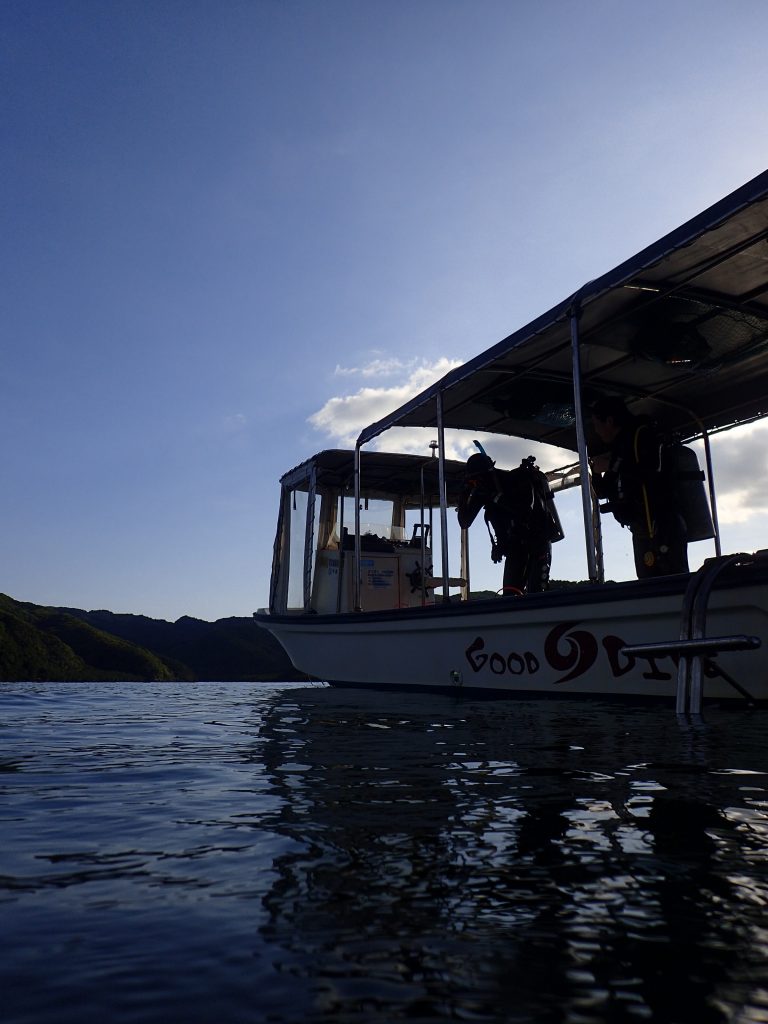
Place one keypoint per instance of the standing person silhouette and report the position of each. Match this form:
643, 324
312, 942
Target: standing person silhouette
629, 475
521, 518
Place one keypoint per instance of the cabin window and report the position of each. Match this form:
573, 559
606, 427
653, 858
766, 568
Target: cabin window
299, 523
379, 522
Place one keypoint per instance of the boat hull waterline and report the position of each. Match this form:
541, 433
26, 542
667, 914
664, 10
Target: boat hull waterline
529, 646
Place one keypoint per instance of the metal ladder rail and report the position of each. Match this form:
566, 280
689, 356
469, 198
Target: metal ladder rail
693, 647
693, 621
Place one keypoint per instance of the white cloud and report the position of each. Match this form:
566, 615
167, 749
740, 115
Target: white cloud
740, 458
733, 507
343, 417
376, 368
506, 452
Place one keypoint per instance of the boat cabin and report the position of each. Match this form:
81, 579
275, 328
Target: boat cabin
392, 526
398, 517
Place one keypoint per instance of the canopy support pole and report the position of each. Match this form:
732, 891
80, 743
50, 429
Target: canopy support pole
595, 571
309, 538
443, 499
358, 462
711, 488
464, 571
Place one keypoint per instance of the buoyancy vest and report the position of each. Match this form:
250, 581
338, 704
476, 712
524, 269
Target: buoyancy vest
650, 482
523, 505
685, 479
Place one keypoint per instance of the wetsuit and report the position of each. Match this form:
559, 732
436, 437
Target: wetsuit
522, 521
639, 497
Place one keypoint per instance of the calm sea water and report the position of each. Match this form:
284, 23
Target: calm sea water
246, 853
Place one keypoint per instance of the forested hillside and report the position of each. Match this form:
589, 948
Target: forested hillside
69, 644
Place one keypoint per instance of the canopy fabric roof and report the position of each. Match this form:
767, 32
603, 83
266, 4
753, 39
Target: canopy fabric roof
680, 331
384, 474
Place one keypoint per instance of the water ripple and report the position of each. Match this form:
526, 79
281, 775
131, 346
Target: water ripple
283, 853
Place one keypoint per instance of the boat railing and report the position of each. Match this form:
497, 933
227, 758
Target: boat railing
694, 649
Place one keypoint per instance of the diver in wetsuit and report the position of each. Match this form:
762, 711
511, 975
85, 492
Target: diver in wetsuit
639, 495
521, 518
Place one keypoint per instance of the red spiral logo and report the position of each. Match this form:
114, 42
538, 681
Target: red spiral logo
579, 651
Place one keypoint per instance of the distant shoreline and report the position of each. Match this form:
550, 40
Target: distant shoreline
47, 644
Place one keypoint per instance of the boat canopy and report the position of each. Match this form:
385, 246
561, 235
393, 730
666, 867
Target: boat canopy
385, 474
680, 331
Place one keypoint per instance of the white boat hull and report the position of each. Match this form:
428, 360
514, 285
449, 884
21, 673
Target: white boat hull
560, 643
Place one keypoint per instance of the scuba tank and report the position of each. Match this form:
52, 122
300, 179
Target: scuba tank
681, 467
544, 501
527, 501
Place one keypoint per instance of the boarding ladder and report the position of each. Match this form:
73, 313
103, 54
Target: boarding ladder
694, 647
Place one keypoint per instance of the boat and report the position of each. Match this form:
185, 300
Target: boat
363, 594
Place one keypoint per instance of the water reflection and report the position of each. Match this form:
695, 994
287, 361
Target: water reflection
516, 862
295, 855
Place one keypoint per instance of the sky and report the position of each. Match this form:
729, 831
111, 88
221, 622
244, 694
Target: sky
234, 233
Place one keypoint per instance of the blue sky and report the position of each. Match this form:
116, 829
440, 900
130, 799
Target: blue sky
234, 233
